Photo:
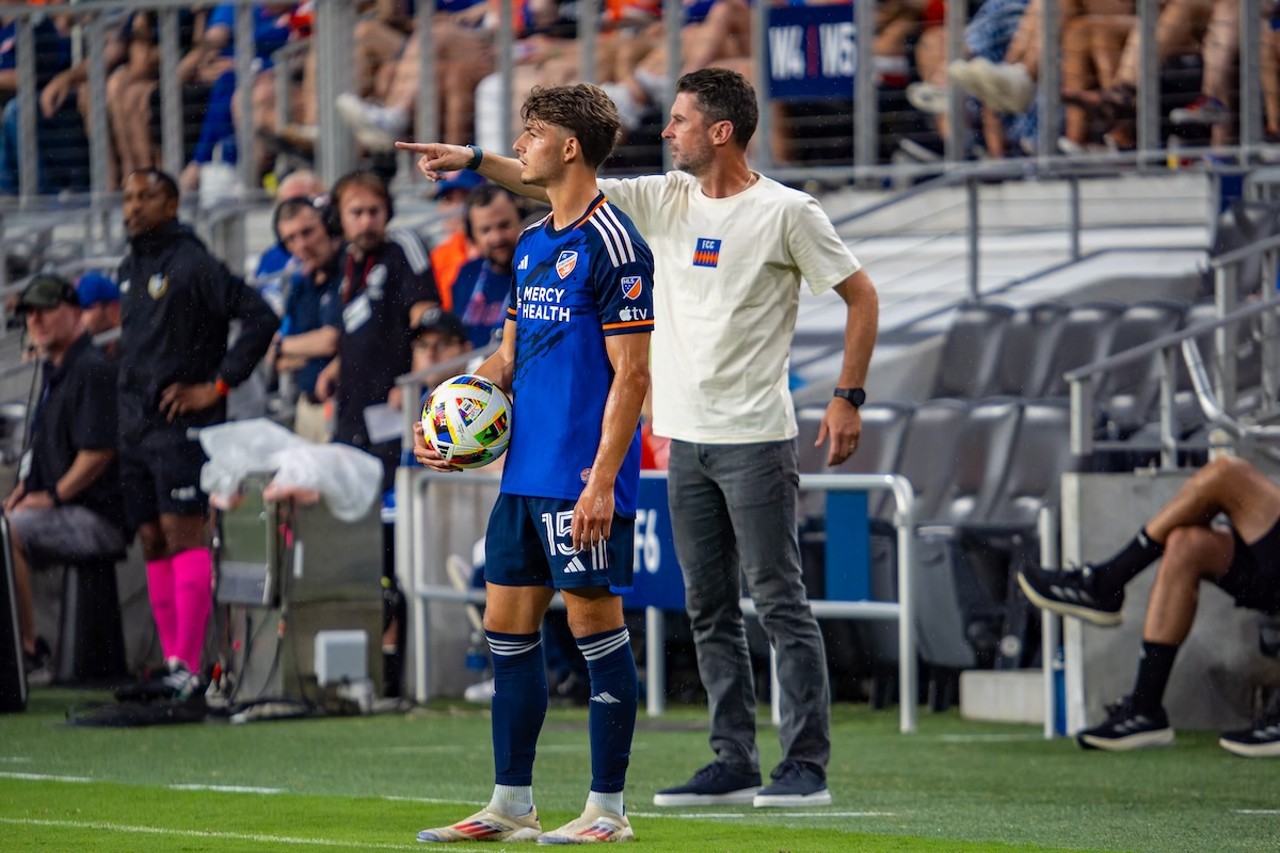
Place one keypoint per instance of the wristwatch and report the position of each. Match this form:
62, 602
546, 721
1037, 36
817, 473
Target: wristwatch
855, 396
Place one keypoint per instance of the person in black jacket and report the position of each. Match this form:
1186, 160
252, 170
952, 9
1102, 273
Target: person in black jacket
66, 506
176, 369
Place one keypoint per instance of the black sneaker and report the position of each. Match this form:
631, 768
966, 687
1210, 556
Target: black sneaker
1261, 740
716, 784
1072, 592
795, 783
39, 665
1126, 729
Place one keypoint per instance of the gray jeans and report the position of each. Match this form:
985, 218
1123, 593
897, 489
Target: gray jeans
733, 514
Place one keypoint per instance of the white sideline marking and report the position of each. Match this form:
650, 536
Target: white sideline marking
1258, 811
15, 759
41, 777
989, 738
254, 837
756, 814
227, 789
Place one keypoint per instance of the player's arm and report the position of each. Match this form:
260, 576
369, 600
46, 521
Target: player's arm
593, 515
436, 158
500, 368
842, 423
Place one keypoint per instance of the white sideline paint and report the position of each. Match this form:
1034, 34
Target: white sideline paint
41, 777
993, 738
227, 789
254, 837
14, 759
1267, 812
757, 814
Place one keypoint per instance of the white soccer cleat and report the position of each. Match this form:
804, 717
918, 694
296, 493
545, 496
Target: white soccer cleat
486, 825
595, 826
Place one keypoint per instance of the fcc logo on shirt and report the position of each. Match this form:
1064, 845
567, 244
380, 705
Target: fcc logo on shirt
706, 252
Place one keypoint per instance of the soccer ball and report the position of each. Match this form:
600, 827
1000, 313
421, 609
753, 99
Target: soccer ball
467, 419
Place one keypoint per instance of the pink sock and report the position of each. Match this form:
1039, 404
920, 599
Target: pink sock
193, 595
163, 610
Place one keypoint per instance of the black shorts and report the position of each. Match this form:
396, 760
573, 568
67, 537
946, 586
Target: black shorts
1253, 578
160, 475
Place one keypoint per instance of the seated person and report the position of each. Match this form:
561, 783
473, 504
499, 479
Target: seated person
453, 249
67, 505
1242, 559
53, 55
312, 319
100, 310
483, 287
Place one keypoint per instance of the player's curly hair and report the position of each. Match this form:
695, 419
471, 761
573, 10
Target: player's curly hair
582, 109
724, 95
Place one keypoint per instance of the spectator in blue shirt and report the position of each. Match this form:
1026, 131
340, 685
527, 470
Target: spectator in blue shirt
491, 221
53, 54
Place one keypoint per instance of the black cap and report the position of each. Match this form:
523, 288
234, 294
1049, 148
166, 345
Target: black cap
445, 323
47, 290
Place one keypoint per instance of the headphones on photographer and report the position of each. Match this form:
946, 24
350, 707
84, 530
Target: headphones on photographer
328, 214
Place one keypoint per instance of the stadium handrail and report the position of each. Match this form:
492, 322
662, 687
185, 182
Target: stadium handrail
1082, 380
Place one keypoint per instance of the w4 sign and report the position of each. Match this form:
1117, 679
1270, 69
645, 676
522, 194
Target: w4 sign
812, 51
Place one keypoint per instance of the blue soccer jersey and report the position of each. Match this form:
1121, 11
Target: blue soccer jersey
572, 289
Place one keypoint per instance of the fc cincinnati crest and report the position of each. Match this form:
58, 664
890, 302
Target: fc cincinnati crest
158, 285
565, 263
632, 286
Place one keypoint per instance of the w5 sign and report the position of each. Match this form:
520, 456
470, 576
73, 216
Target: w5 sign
812, 51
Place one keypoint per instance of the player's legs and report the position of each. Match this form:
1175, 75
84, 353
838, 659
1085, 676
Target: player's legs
517, 586
708, 557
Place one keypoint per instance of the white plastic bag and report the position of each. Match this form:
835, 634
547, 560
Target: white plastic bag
348, 479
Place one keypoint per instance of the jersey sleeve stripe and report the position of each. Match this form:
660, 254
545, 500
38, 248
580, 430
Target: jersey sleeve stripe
617, 235
607, 239
414, 252
608, 327
629, 249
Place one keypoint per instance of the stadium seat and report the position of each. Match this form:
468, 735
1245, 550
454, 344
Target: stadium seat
1128, 393
981, 456
90, 635
1085, 337
929, 453
972, 350
1030, 339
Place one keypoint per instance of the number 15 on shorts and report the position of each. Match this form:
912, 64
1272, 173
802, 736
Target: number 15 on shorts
558, 527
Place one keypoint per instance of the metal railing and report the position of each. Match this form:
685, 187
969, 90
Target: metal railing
1083, 381
417, 546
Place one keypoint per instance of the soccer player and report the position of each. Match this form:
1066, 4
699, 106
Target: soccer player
731, 247
575, 358
1242, 559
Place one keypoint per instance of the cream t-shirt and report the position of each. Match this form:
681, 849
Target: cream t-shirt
726, 293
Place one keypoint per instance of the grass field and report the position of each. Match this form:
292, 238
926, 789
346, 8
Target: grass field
371, 783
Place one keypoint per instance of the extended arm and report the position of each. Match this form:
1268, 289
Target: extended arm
437, 158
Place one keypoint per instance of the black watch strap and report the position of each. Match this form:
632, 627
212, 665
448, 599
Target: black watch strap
856, 396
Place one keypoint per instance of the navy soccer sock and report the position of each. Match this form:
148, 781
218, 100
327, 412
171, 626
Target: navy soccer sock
519, 704
612, 715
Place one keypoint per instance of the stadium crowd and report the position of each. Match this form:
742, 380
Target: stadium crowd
1197, 46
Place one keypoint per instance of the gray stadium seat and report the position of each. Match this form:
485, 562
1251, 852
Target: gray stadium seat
1085, 338
1040, 454
981, 457
1030, 339
929, 453
1127, 393
972, 350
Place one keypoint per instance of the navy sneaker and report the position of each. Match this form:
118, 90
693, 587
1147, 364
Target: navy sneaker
1126, 728
716, 784
795, 783
1261, 740
1072, 592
